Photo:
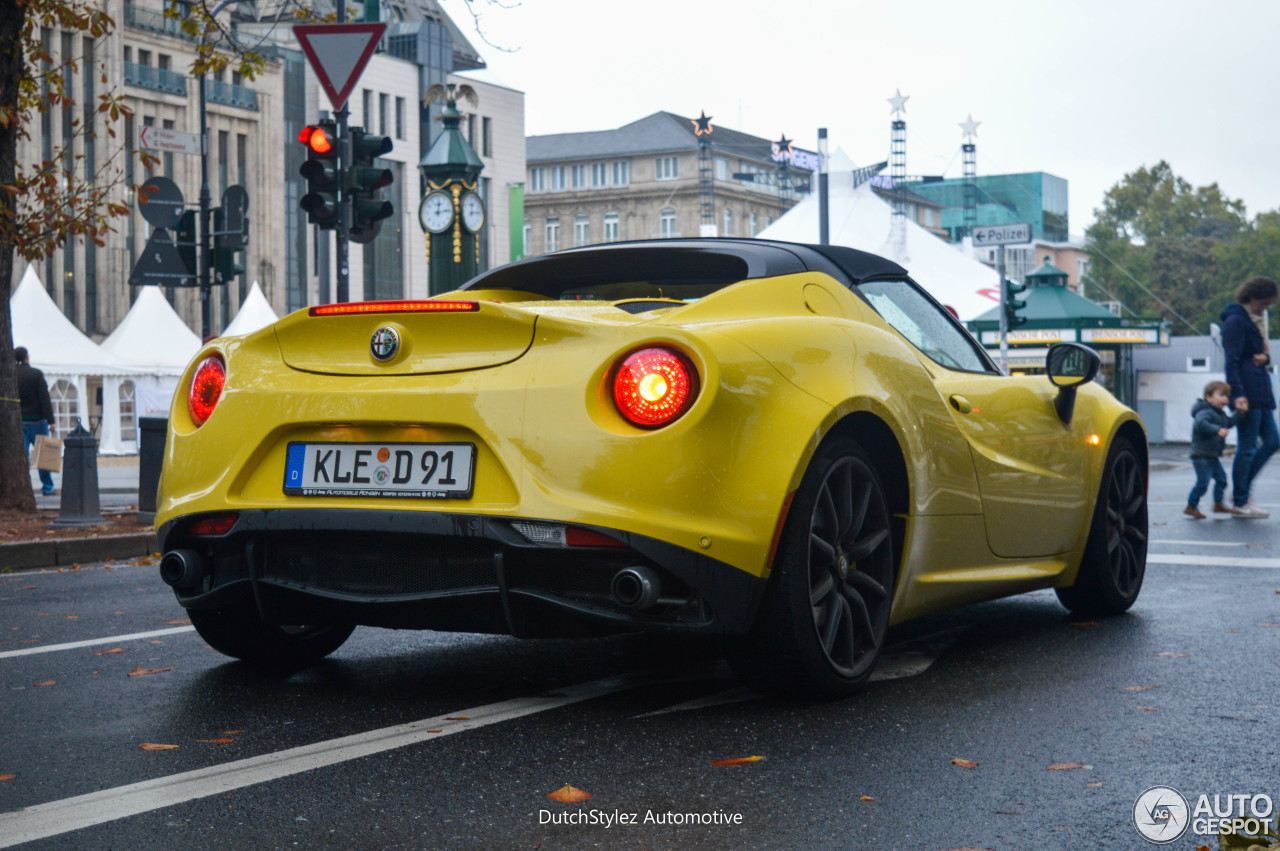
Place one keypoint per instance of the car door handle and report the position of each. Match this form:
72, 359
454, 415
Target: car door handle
961, 404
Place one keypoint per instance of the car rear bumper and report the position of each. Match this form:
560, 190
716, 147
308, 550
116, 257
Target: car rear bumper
454, 572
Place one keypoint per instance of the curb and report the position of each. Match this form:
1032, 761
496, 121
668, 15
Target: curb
63, 552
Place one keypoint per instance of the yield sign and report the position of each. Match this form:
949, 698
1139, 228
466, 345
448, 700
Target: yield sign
338, 54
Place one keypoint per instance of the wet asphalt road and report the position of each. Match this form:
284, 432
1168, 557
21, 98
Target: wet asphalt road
1180, 692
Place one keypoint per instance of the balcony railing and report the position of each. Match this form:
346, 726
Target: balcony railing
153, 21
156, 79
232, 95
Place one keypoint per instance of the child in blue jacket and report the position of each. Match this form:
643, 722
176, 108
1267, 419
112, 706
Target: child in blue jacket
1208, 440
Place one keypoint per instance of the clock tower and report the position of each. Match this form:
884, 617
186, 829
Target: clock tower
452, 212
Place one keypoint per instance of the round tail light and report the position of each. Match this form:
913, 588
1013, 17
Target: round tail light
653, 387
206, 388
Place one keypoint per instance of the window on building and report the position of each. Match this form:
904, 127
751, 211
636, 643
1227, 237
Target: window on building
611, 227
486, 137
144, 57
928, 217
557, 178
666, 168
383, 102
552, 235
722, 168
537, 180
752, 225
366, 100
399, 118
599, 175
581, 229
578, 177
728, 223
621, 172
667, 224
163, 61
1197, 364
528, 238
166, 158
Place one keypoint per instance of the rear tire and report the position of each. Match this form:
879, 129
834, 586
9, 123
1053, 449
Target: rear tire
240, 633
826, 612
1115, 556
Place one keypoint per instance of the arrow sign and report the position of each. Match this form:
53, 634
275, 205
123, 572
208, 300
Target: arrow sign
159, 139
1002, 234
338, 53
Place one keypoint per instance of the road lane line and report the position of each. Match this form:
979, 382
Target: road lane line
91, 642
58, 817
1201, 543
1214, 561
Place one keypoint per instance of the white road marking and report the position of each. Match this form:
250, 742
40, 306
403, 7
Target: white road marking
91, 642
1201, 543
58, 817
1211, 561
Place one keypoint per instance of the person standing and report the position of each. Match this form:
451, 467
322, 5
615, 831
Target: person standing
1246, 354
37, 409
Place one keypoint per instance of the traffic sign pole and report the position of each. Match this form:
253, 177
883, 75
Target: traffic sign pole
1004, 314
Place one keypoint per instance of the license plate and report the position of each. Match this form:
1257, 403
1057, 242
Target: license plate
421, 470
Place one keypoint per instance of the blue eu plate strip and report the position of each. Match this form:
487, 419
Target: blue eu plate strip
293, 465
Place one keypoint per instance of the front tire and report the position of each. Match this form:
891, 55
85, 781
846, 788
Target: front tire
826, 612
240, 633
1115, 555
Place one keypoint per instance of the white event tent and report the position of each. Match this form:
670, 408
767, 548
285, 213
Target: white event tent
157, 345
255, 313
65, 355
860, 219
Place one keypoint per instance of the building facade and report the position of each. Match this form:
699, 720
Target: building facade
1035, 197
646, 180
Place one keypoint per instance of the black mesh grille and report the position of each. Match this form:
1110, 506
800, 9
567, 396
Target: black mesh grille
380, 565
644, 306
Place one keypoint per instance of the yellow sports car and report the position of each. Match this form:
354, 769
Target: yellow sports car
793, 446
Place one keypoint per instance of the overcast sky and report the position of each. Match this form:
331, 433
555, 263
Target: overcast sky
1087, 90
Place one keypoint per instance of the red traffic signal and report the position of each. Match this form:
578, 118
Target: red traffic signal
321, 140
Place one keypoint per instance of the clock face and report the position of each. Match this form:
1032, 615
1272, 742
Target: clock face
436, 212
472, 212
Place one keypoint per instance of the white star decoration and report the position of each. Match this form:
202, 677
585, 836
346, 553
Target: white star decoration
899, 101
970, 127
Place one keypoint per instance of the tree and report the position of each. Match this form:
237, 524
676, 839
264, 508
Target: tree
1154, 244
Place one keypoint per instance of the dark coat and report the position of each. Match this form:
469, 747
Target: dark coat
33, 393
1240, 342
1205, 440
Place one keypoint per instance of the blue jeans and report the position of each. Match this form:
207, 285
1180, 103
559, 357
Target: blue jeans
1257, 424
1207, 468
30, 428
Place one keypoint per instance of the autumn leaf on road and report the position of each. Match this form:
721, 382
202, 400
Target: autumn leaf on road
866, 798
964, 763
4, 777
188, 620
567, 794
109, 652
1064, 766
1148, 709
216, 741
141, 671
45, 683
1140, 688
1171, 655
149, 746
742, 760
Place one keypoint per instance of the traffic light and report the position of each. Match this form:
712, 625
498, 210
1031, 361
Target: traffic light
322, 174
1013, 305
225, 267
363, 180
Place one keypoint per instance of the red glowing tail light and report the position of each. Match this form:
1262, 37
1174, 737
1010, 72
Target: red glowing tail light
206, 388
654, 387
366, 307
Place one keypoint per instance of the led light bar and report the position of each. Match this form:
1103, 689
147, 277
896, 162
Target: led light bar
365, 307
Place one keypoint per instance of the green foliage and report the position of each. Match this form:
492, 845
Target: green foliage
1159, 239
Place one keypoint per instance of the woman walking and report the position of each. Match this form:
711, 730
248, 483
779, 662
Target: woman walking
1246, 354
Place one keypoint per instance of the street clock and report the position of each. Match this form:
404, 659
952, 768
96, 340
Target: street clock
436, 213
472, 212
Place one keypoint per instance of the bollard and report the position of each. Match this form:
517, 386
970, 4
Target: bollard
151, 438
80, 506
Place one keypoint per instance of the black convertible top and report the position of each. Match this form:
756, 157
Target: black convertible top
695, 266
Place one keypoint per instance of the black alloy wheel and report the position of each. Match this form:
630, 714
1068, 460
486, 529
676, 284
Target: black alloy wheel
824, 621
1115, 556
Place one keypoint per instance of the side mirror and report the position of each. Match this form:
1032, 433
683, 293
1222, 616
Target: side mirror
1069, 365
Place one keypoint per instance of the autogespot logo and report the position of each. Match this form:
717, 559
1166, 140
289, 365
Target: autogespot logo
1161, 814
